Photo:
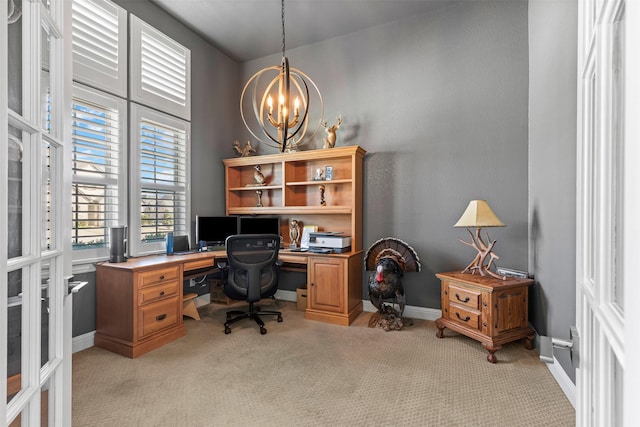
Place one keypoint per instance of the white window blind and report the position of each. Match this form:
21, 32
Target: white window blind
160, 70
99, 29
161, 144
99, 193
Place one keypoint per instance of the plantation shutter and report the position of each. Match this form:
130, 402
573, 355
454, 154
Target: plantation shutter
163, 179
97, 174
99, 31
160, 70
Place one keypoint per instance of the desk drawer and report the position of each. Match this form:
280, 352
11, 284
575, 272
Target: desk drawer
463, 296
154, 293
154, 317
198, 264
161, 275
470, 319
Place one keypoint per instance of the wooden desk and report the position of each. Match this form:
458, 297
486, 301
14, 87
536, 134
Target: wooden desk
491, 311
139, 302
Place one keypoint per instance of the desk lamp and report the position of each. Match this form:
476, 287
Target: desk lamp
478, 215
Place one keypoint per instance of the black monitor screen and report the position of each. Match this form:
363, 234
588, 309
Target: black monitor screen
259, 225
215, 229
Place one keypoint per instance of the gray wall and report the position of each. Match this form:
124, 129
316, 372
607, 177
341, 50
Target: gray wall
440, 103
553, 47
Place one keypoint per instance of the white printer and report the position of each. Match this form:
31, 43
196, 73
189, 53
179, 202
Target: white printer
334, 241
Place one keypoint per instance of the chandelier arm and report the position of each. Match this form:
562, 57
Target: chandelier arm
306, 112
285, 125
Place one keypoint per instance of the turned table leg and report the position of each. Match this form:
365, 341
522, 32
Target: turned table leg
491, 357
528, 341
440, 333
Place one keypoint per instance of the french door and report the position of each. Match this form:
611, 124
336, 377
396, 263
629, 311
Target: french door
35, 203
608, 207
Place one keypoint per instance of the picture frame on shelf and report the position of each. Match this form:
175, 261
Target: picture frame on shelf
328, 173
306, 234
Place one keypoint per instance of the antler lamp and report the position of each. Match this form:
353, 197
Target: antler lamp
478, 215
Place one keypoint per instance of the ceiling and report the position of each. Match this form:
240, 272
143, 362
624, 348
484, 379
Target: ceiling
250, 29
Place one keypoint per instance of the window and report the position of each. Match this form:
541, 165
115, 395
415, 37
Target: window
99, 29
159, 170
160, 70
158, 200
99, 172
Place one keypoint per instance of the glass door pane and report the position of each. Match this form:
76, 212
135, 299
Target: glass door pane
15, 197
15, 54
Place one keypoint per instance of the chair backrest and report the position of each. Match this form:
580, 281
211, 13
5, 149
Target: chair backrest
253, 272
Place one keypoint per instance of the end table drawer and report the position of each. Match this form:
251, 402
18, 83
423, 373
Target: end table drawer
470, 319
462, 296
154, 317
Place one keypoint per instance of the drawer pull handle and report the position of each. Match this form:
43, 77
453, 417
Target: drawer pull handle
163, 316
462, 300
162, 277
466, 319
161, 293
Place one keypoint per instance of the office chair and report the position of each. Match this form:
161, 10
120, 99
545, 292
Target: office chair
253, 275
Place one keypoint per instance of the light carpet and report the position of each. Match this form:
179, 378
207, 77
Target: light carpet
309, 373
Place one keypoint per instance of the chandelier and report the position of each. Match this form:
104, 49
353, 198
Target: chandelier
275, 104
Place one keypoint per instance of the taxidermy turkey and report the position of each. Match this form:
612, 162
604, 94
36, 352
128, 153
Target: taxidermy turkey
389, 258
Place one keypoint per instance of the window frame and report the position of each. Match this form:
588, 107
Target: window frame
137, 114
94, 73
90, 95
137, 92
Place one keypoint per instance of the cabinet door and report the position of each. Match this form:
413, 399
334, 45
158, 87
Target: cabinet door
326, 276
512, 309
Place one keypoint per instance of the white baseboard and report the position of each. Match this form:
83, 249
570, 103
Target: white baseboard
411, 311
82, 342
563, 380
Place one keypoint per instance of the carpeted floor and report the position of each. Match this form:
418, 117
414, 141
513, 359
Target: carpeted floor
308, 373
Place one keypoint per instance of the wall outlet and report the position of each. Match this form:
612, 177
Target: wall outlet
192, 283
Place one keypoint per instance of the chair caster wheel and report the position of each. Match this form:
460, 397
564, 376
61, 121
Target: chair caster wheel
279, 319
227, 330
263, 331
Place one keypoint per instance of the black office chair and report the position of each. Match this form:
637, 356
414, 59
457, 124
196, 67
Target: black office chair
253, 275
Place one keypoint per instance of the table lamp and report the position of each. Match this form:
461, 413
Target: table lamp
478, 215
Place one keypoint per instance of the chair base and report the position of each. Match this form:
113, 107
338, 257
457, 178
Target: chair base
253, 313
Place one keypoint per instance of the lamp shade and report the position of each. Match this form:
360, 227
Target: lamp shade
479, 214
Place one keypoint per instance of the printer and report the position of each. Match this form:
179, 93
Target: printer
328, 242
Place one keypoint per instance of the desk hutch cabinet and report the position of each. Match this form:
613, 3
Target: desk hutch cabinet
292, 191
489, 310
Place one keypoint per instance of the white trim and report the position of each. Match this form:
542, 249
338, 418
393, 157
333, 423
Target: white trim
138, 114
411, 311
83, 342
93, 68
563, 380
158, 89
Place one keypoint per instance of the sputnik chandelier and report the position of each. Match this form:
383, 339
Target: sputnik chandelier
284, 125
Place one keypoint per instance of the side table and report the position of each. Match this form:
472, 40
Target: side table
488, 310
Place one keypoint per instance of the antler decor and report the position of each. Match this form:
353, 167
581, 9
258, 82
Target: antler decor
477, 215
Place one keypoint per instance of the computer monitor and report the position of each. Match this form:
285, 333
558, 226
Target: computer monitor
259, 225
215, 229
